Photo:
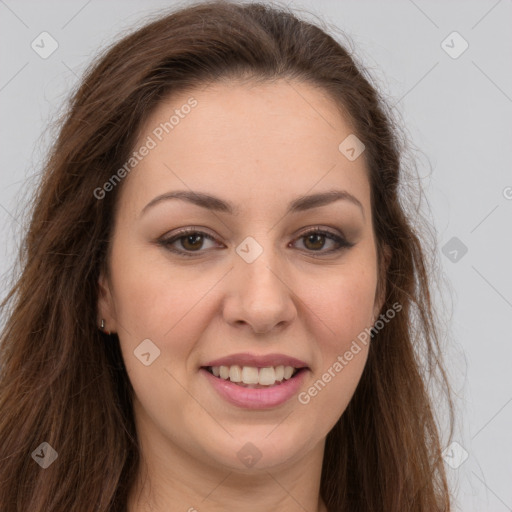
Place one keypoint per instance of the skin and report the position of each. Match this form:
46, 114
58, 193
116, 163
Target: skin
258, 146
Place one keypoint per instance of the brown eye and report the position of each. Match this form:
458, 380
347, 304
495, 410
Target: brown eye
186, 242
316, 239
191, 242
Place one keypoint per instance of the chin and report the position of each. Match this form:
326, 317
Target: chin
264, 447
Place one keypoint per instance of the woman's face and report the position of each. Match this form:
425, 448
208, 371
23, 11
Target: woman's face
252, 286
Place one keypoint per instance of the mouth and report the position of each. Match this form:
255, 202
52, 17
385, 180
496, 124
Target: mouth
255, 381
251, 381
253, 377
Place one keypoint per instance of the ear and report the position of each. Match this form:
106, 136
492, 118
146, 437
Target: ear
383, 265
106, 307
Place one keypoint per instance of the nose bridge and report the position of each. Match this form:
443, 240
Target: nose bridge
259, 296
256, 270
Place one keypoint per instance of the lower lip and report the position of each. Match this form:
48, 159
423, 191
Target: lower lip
256, 398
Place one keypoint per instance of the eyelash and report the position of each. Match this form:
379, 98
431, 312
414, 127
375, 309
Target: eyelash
167, 242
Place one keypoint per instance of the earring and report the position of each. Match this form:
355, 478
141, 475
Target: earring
102, 327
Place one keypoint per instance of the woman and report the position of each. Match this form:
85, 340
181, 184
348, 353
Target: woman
223, 303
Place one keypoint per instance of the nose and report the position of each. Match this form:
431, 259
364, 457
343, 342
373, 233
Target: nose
259, 296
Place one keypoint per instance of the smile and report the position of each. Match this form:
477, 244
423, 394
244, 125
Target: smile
253, 377
256, 396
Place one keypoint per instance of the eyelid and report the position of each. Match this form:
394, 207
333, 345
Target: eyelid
340, 239
167, 241
321, 229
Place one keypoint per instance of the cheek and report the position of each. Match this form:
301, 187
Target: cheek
155, 301
345, 305
151, 296
345, 308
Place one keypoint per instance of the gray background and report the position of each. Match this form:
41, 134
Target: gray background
457, 112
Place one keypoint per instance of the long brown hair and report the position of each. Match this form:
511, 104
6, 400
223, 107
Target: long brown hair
63, 381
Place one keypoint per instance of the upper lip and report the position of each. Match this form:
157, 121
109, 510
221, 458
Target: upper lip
258, 361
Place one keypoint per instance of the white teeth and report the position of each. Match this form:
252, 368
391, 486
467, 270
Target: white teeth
250, 375
267, 376
288, 370
235, 373
253, 376
224, 372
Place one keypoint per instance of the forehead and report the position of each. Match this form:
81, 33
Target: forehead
280, 138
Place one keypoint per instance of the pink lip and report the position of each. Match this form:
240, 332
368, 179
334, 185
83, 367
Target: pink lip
246, 359
255, 398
